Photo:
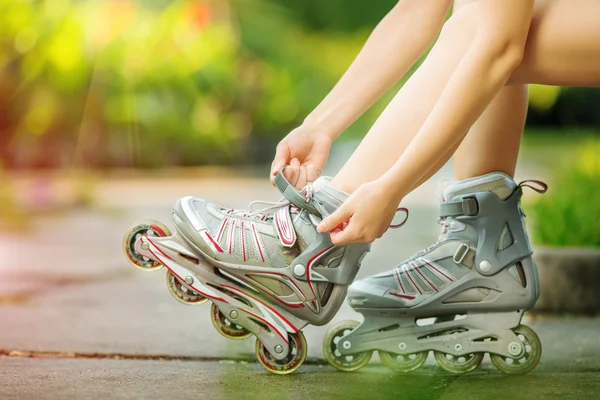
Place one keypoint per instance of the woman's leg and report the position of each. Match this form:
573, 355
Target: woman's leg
562, 49
563, 46
492, 143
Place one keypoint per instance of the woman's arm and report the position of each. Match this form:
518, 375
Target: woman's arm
393, 47
484, 67
496, 51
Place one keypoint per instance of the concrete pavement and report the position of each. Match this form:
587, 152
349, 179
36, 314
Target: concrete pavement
82, 379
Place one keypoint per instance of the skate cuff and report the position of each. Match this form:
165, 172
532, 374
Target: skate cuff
465, 207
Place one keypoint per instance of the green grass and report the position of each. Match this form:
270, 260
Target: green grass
569, 214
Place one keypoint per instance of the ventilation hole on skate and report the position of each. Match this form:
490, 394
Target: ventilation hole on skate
390, 328
335, 259
261, 324
522, 275
190, 259
426, 321
486, 339
473, 295
443, 333
275, 286
327, 294
517, 272
506, 238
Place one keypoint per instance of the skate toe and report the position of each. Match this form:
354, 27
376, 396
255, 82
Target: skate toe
191, 217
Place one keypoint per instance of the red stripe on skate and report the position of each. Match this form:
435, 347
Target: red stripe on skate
215, 244
399, 280
265, 321
262, 257
445, 276
231, 235
157, 248
413, 282
309, 266
426, 280
402, 296
222, 228
284, 319
181, 279
158, 229
243, 242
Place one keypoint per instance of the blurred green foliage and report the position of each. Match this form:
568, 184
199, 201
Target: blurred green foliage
147, 83
569, 214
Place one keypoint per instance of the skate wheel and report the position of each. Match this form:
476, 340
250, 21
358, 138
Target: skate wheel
403, 362
458, 364
182, 293
346, 363
530, 357
146, 228
225, 327
295, 358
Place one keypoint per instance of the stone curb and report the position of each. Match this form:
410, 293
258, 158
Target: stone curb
569, 280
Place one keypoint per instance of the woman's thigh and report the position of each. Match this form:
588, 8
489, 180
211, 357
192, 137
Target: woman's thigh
563, 46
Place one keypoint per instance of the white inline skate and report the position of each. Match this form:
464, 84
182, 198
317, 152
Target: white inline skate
267, 273
460, 298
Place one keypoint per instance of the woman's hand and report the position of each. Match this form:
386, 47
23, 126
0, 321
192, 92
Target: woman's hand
364, 217
305, 152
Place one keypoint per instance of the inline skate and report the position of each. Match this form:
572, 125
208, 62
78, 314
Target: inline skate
462, 297
268, 273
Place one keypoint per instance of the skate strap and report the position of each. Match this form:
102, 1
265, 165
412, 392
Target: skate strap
284, 227
468, 206
538, 186
292, 194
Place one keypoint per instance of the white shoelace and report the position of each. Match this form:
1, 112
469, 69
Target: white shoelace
270, 207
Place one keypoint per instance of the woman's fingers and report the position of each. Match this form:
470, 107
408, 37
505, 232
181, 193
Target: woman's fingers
302, 178
312, 172
340, 237
336, 219
282, 157
292, 171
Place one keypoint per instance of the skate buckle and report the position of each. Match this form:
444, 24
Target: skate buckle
461, 253
470, 207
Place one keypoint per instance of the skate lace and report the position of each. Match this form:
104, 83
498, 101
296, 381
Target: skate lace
270, 207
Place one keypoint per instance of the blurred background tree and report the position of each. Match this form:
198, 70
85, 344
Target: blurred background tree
151, 83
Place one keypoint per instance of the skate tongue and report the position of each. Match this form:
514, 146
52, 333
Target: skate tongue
496, 182
329, 197
321, 182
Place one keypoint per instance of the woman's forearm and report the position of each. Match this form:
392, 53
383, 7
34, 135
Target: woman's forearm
393, 47
483, 71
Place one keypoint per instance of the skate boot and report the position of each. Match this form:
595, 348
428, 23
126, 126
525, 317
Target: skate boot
461, 298
267, 273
